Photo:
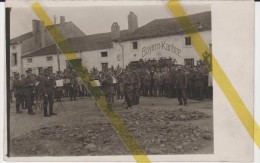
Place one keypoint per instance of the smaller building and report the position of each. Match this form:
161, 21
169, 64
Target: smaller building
37, 39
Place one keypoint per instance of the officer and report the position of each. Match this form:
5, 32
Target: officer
181, 85
128, 89
48, 88
17, 85
29, 86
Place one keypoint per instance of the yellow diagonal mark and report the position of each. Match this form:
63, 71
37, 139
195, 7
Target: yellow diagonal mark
219, 75
132, 145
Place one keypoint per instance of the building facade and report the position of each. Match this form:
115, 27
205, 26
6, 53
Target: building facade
161, 38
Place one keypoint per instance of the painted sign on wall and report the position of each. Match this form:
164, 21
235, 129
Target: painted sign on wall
163, 45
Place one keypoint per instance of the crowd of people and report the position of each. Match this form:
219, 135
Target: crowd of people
42, 90
170, 80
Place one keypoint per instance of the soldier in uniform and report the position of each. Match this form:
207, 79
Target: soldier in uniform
29, 86
146, 83
48, 86
107, 86
73, 86
24, 105
58, 90
199, 83
181, 85
191, 82
17, 85
128, 90
136, 86
156, 79
172, 82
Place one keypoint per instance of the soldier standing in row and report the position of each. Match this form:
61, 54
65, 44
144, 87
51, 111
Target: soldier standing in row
47, 84
29, 86
146, 83
17, 86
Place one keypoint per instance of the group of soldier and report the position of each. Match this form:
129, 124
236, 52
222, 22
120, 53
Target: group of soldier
40, 90
174, 81
129, 84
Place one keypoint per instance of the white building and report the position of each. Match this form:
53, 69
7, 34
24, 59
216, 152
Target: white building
159, 38
35, 40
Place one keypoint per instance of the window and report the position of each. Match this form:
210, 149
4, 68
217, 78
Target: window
49, 58
29, 60
104, 66
135, 45
51, 69
189, 62
14, 59
187, 40
103, 54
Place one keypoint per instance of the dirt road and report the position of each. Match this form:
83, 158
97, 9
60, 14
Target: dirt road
159, 125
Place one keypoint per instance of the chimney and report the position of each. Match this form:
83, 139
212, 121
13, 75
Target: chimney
38, 33
62, 19
132, 22
115, 31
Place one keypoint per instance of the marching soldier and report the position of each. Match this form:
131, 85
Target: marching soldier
18, 92
29, 86
48, 92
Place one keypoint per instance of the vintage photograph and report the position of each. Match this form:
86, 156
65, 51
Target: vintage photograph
141, 59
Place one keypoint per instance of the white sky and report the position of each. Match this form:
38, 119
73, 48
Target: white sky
96, 19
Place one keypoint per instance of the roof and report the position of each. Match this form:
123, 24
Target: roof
86, 43
68, 30
168, 26
21, 38
156, 28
